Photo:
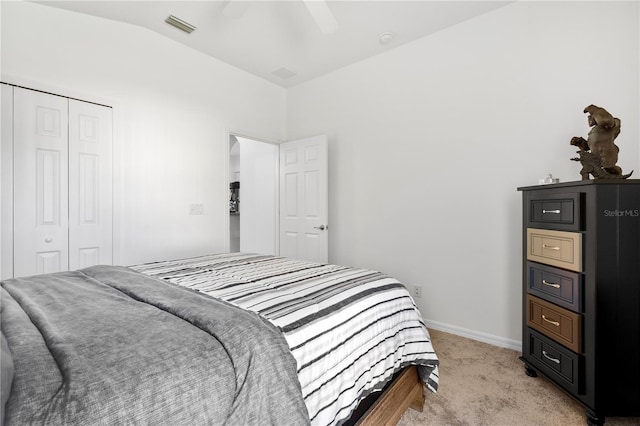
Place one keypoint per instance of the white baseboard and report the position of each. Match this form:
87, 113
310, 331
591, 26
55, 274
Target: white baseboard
475, 335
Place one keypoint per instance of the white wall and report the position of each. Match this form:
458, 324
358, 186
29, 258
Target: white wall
234, 159
259, 199
429, 141
173, 110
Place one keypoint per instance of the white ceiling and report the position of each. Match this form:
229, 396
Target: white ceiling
272, 35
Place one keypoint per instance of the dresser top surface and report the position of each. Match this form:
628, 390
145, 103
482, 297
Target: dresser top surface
582, 183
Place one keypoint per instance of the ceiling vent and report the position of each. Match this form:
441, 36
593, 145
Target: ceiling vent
180, 24
283, 73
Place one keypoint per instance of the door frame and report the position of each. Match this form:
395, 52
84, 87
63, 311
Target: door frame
227, 232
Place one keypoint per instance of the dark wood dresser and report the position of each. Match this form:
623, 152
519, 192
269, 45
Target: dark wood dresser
581, 292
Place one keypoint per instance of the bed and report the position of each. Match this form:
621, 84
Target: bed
222, 339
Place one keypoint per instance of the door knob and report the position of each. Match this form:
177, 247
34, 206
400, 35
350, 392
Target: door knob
48, 240
321, 227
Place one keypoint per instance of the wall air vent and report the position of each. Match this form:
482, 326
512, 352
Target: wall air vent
180, 24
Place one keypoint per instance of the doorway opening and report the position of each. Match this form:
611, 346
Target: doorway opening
253, 196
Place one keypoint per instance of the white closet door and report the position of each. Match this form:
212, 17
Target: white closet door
90, 192
6, 183
40, 148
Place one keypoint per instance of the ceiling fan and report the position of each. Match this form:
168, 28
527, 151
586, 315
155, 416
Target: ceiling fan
318, 9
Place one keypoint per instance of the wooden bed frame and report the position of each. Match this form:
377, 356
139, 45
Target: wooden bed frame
405, 391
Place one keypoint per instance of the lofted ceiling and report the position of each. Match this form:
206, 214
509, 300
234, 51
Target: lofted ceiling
289, 42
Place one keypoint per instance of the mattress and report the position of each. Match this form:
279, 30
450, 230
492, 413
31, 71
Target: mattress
349, 329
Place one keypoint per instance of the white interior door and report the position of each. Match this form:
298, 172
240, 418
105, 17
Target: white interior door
90, 191
6, 183
56, 183
40, 152
304, 199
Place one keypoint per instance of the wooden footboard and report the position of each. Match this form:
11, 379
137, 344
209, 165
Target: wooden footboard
407, 390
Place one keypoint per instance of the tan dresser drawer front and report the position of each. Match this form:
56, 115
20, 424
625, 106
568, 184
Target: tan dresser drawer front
556, 248
561, 325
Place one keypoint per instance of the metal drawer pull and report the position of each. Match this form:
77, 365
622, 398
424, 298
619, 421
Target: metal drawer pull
554, 285
547, 246
550, 358
551, 211
556, 323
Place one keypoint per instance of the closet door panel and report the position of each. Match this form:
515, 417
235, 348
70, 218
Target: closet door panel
6, 183
90, 190
40, 151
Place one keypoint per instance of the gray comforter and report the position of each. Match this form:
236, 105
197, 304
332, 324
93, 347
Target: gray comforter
107, 345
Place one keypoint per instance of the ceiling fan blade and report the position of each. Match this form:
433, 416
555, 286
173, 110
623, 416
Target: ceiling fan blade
234, 9
319, 10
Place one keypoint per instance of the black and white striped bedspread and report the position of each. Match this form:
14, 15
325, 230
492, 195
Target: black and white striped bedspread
348, 329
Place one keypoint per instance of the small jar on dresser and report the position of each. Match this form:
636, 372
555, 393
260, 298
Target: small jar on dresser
581, 292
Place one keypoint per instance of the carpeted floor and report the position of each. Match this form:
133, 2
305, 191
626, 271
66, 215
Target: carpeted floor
481, 384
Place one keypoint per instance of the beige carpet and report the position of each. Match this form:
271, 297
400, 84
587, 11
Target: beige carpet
481, 384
